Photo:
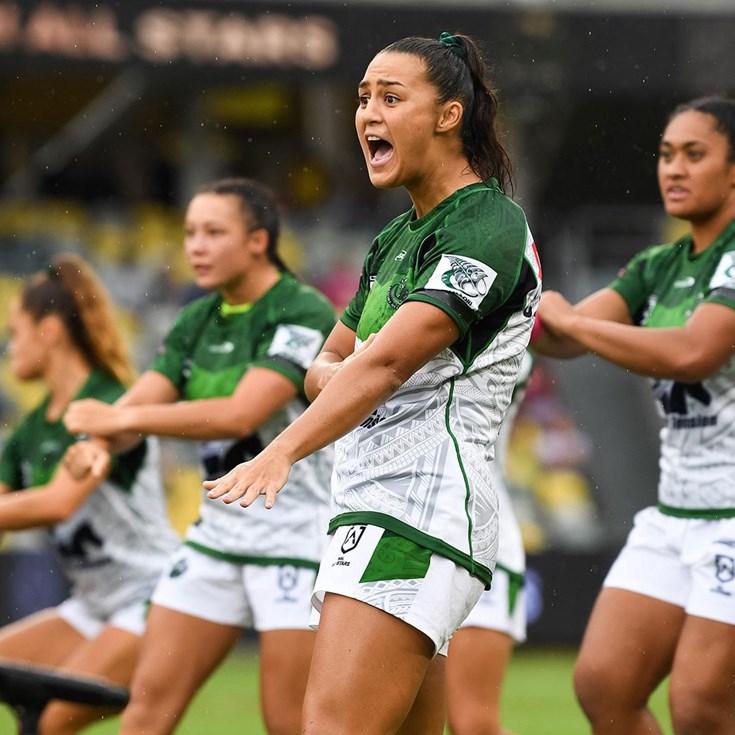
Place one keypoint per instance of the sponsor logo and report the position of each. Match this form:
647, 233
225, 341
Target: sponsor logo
352, 538
687, 282
178, 569
373, 419
222, 349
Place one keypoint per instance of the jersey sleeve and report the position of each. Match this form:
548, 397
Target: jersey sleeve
291, 342
721, 288
10, 465
471, 271
633, 283
351, 315
172, 357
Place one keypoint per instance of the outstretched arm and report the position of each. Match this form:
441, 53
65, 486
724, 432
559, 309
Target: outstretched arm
688, 353
260, 393
413, 336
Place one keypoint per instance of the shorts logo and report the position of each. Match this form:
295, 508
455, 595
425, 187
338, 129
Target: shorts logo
352, 539
288, 578
178, 569
725, 572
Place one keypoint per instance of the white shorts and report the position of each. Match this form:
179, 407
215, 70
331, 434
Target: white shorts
502, 608
389, 572
683, 561
78, 614
262, 597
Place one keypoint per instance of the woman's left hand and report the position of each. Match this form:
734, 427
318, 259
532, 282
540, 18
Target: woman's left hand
265, 474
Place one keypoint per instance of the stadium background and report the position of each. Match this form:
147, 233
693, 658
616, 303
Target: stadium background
111, 113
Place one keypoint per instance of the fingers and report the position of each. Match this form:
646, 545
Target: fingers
229, 488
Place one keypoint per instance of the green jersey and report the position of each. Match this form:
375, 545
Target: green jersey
662, 286
420, 464
115, 546
205, 355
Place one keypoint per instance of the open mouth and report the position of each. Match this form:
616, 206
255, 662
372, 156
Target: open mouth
380, 150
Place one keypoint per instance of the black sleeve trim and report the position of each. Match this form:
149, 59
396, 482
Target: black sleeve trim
728, 294
459, 307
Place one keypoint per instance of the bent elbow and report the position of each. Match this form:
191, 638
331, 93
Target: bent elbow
692, 368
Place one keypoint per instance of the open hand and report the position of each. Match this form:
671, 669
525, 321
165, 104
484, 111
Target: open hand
266, 475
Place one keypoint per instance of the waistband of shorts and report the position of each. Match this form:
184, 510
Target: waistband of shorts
263, 561
706, 514
371, 518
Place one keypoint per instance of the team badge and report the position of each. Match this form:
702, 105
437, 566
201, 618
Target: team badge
724, 276
468, 278
296, 343
352, 538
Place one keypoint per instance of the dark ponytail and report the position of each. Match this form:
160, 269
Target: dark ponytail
259, 205
455, 66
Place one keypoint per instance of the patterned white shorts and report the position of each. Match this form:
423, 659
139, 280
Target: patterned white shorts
392, 573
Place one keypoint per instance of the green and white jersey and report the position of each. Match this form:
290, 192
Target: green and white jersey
662, 286
205, 355
419, 465
114, 548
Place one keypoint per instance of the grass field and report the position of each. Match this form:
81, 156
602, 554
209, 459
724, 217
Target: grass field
537, 699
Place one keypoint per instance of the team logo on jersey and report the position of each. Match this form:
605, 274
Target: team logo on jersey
397, 293
296, 343
222, 349
465, 277
50, 446
352, 538
687, 282
724, 276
